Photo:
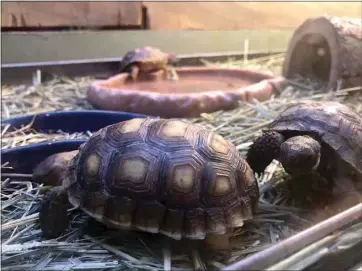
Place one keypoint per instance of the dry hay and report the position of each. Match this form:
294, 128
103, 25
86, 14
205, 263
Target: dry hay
279, 215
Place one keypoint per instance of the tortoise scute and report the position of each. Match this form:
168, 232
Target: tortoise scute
173, 128
183, 179
131, 126
215, 221
249, 203
246, 176
91, 170
89, 164
134, 172
195, 224
173, 224
219, 144
149, 216
182, 174
220, 186
134, 169
215, 148
92, 164
126, 132
248, 189
94, 203
351, 130
171, 136
119, 212
234, 216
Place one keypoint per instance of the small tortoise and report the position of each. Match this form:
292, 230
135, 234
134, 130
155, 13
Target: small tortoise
158, 176
321, 137
146, 60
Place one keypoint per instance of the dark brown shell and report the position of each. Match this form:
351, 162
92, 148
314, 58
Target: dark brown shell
148, 58
336, 124
164, 176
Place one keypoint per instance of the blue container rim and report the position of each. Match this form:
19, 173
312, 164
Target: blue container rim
75, 112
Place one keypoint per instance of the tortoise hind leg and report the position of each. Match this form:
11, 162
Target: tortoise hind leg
53, 218
264, 149
219, 244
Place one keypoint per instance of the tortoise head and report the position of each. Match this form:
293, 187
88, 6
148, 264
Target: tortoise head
172, 59
300, 155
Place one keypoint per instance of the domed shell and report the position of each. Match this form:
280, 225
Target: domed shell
163, 176
336, 124
147, 57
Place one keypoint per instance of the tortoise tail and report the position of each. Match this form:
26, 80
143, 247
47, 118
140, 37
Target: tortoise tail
264, 149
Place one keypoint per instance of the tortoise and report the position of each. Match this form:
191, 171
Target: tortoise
146, 60
313, 137
158, 176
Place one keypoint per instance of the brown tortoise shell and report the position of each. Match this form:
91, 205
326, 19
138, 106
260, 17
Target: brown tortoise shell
336, 124
147, 58
165, 176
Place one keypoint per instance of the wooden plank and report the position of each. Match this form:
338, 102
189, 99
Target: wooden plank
242, 15
70, 14
67, 45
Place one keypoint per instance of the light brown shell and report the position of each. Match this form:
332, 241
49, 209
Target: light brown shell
163, 176
148, 59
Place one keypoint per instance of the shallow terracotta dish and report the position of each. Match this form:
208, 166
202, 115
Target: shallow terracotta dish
197, 90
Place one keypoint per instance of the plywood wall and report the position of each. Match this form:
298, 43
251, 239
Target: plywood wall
172, 15
242, 15
71, 14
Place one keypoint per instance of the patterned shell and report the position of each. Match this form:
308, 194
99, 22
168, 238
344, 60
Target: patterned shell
336, 124
163, 176
148, 58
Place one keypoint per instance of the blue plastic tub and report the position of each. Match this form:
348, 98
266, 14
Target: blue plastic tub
24, 159
71, 121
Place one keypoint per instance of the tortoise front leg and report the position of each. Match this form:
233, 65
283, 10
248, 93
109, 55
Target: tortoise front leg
53, 217
219, 245
173, 74
169, 72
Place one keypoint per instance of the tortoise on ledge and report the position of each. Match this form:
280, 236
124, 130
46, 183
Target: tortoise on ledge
158, 176
322, 137
147, 60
